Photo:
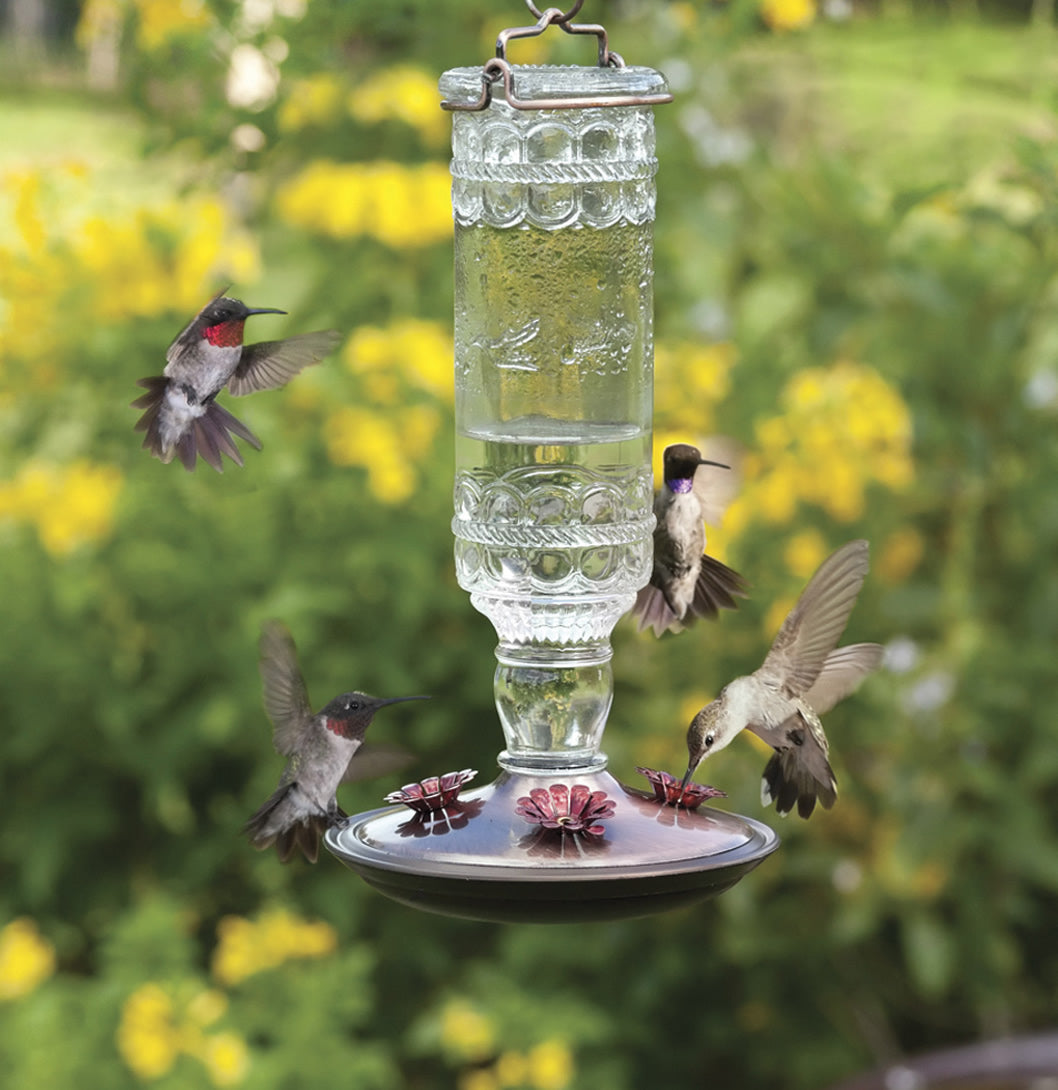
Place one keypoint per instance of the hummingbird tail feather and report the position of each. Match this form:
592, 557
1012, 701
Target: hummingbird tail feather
655, 612
717, 588
788, 782
284, 822
211, 436
149, 422
188, 431
303, 837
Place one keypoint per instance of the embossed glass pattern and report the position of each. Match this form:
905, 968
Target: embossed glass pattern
554, 383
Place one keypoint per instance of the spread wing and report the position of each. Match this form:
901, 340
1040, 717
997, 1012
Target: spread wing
715, 488
374, 759
285, 697
270, 364
814, 625
842, 674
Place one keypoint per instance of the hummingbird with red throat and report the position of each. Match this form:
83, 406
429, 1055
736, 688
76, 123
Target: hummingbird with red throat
320, 748
181, 415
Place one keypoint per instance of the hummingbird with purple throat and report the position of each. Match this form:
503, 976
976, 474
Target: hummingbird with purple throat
686, 583
320, 749
181, 415
802, 677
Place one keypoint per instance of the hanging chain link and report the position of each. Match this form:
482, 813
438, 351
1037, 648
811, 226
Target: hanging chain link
563, 16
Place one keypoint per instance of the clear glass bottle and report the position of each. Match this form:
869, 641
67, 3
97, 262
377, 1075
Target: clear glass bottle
553, 519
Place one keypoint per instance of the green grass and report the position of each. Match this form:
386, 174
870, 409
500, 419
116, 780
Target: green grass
920, 99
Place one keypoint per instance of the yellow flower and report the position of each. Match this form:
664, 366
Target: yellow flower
245, 947
147, 1036
226, 1058
160, 20
843, 428
551, 1065
403, 206
418, 351
805, 552
316, 100
775, 496
27, 214
684, 15
511, 1069
402, 93
207, 1006
842, 491
26, 959
466, 1033
360, 437
900, 554
83, 511
482, 1078
71, 506
787, 14
692, 379
156, 1027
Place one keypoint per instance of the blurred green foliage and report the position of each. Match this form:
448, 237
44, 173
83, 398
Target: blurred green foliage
858, 214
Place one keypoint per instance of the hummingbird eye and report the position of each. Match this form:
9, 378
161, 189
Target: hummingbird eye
353, 705
709, 740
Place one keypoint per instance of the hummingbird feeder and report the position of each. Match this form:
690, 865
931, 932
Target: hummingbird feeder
553, 197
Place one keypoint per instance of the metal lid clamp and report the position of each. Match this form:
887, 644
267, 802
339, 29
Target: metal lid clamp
499, 70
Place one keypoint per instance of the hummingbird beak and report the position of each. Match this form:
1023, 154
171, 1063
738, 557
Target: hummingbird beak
400, 700
719, 465
263, 310
686, 779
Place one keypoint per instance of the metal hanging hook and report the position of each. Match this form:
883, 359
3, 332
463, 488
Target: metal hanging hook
498, 70
561, 19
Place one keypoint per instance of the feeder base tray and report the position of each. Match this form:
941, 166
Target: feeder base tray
479, 859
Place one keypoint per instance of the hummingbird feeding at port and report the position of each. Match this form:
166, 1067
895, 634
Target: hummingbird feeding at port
685, 582
320, 749
181, 415
803, 676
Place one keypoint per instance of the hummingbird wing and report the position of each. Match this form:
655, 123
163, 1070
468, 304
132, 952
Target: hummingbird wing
842, 674
270, 364
799, 771
715, 589
374, 759
814, 625
714, 487
286, 699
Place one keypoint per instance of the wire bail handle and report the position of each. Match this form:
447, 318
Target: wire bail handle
499, 68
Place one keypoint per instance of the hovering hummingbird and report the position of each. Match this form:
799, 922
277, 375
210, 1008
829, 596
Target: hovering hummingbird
181, 414
686, 583
802, 677
319, 749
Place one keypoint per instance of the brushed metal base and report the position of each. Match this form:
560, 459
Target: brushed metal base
481, 860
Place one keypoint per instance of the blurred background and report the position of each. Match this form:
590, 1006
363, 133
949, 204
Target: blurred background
857, 244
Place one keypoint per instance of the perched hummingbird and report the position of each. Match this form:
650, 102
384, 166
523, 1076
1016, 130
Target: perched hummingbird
319, 749
686, 583
802, 677
181, 416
